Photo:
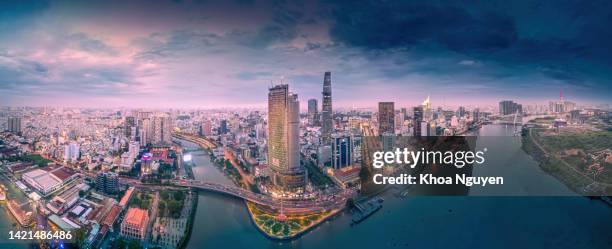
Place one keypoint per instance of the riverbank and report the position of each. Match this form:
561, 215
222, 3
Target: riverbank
550, 162
187, 237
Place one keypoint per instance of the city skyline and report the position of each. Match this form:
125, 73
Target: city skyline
193, 55
305, 124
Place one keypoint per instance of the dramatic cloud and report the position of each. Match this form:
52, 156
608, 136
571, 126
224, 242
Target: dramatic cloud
226, 53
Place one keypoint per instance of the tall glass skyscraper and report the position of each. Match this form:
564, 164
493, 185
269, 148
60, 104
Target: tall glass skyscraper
416, 121
342, 151
326, 110
283, 141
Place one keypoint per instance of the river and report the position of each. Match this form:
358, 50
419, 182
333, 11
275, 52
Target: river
562, 221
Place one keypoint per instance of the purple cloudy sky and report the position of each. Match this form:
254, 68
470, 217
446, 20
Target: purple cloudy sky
226, 53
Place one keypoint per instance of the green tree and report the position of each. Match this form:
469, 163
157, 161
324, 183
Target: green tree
119, 244
79, 236
134, 245
179, 196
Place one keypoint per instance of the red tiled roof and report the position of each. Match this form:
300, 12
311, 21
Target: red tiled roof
112, 215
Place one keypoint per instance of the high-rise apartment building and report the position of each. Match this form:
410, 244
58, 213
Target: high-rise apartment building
162, 130
508, 107
71, 152
417, 120
128, 124
222, 127
403, 113
386, 118
313, 112
476, 115
14, 124
146, 131
206, 128
107, 182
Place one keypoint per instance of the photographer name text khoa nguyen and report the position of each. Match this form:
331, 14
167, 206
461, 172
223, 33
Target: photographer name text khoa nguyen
429, 179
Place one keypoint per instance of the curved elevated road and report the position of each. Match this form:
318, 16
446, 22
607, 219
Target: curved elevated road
329, 202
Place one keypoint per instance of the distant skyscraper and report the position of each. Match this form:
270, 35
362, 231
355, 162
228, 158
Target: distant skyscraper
140, 116
386, 118
508, 107
128, 124
222, 127
476, 115
342, 154
14, 124
461, 111
562, 105
206, 128
283, 141
313, 112
427, 112
425, 129
71, 152
416, 121
404, 113
326, 110
162, 130
145, 132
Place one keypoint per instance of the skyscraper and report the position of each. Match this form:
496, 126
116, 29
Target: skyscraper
162, 130
404, 113
561, 106
313, 112
326, 110
206, 128
145, 131
342, 154
283, 141
461, 111
14, 124
130, 122
416, 121
386, 118
427, 112
476, 115
222, 127
508, 107
71, 152
107, 182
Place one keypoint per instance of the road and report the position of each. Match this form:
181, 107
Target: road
323, 203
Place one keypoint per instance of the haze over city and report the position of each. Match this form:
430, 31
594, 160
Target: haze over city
210, 54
